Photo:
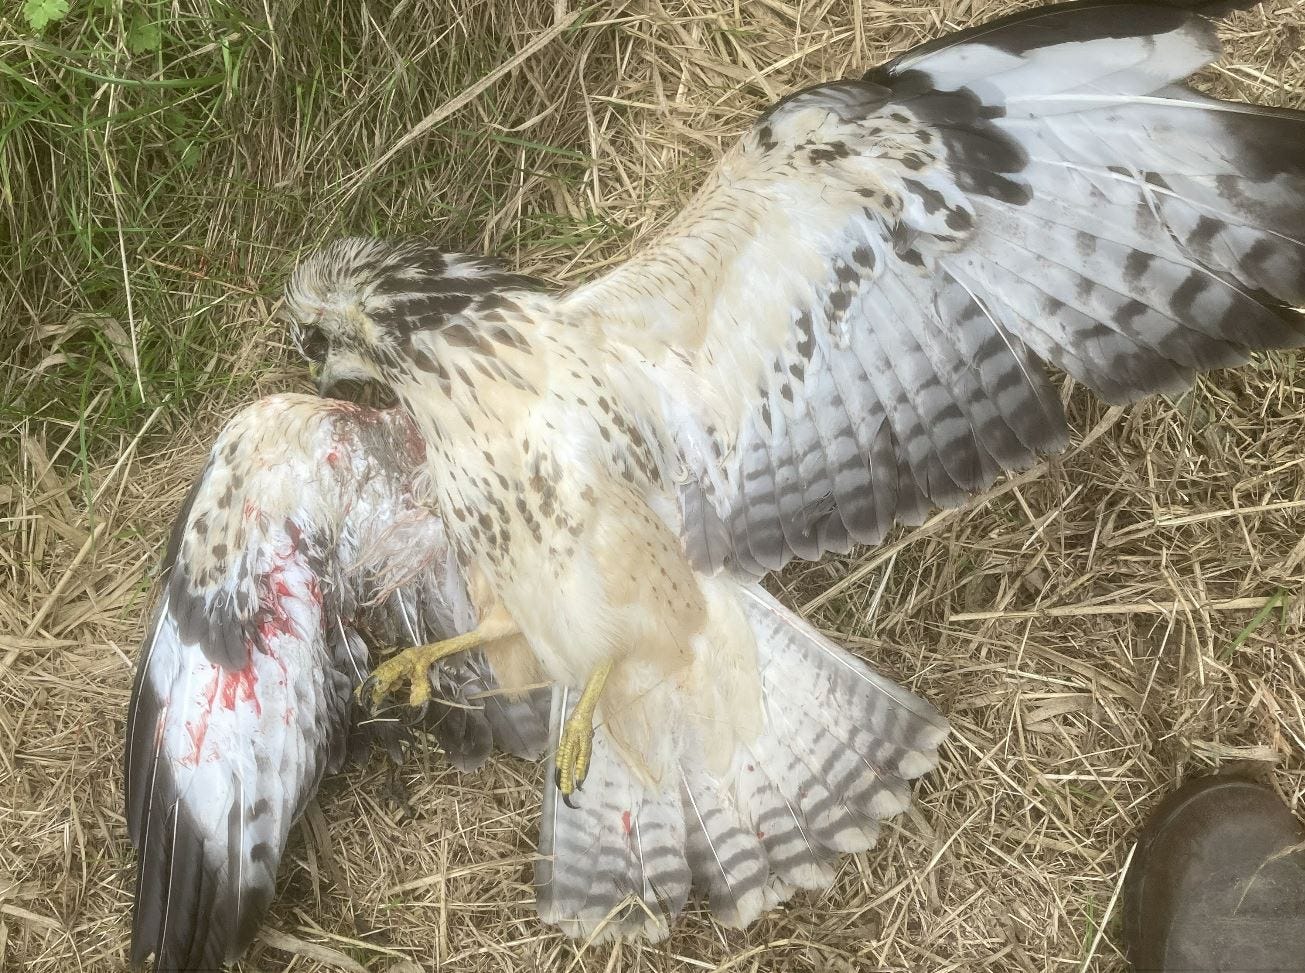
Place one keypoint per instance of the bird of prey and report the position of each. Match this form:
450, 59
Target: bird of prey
845, 327
300, 543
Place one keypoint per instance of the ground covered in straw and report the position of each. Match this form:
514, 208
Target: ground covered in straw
1096, 628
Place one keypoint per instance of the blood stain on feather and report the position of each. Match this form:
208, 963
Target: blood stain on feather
275, 620
198, 729
228, 688
280, 663
274, 615
241, 684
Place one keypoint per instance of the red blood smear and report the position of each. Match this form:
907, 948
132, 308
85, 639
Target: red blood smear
760, 835
250, 510
332, 457
199, 729
241, 684
273, 618
274, 590
625, 822
227, 688
285, 673
196, 739
412, 439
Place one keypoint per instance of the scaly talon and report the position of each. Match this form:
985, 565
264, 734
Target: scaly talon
414, 664
410, 664
573, 752
575, 746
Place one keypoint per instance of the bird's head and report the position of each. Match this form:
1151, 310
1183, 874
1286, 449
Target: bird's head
353, 306
371, 313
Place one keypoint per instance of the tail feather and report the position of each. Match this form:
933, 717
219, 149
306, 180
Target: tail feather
826, 671
613, 865
728, 862
795, 855
838, 744
517, 722
657, 829
802, 766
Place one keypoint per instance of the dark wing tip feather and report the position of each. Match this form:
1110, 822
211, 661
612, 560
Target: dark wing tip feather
1078, 20
461, 727
1026, 29
184, 912
473, 715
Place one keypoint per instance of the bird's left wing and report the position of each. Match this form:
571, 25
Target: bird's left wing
847, 324
301, 538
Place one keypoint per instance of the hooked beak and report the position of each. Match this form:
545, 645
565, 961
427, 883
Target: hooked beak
338, 370
321, 378
352, 385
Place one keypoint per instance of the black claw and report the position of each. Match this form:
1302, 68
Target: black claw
365, 691
566, 799
557, 777
415, 715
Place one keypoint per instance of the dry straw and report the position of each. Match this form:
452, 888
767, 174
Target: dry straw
1114, 620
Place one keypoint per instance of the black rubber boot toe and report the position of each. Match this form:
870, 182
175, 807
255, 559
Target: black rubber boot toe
1217, 883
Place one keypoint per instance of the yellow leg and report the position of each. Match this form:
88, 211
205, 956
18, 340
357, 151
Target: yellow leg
577, 741
414, 663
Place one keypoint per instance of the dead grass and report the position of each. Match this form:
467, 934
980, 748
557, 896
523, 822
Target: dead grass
1119, 618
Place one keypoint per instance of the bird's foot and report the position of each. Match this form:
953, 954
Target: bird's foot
414, 665
575, 746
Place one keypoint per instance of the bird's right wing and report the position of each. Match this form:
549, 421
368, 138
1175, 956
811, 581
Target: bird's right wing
846, 326
301, 536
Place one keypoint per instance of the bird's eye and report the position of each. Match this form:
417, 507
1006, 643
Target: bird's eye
311, 342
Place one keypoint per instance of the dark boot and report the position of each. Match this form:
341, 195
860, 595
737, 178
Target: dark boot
1215, 884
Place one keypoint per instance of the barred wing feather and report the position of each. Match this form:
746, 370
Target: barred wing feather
847, 326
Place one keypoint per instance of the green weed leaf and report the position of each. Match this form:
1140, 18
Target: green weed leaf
143, 35
39, 13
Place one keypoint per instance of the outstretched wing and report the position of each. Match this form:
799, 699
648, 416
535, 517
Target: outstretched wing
300, 537
847, 325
